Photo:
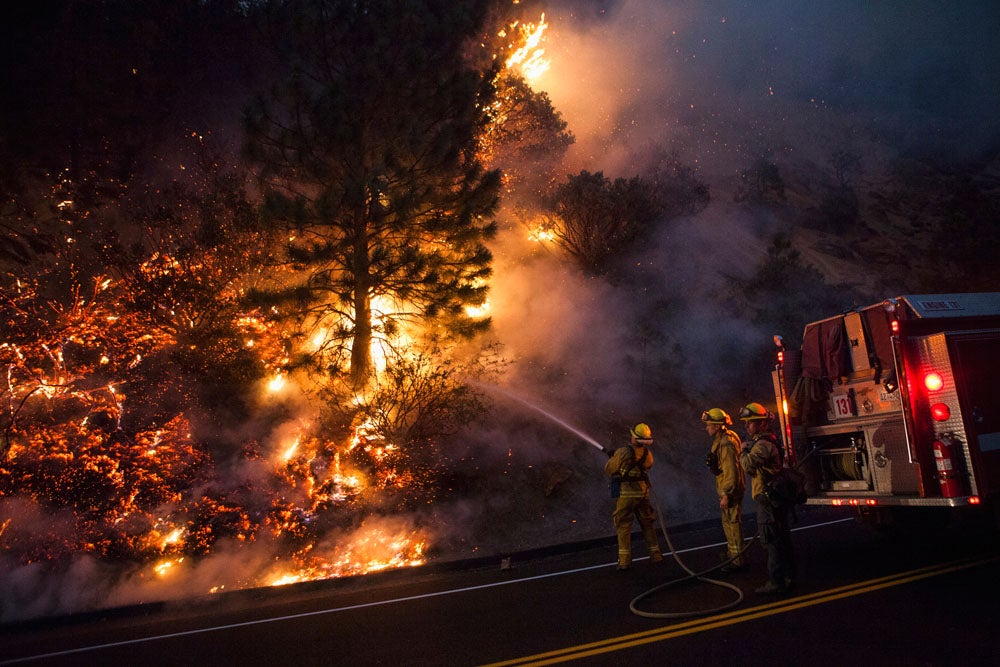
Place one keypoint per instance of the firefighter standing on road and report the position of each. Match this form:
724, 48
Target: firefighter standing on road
631, 463
730, 482
761, 458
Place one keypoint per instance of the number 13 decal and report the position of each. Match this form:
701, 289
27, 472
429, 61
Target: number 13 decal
842, 406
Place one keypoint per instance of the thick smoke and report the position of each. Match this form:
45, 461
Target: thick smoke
720, 84
720, 79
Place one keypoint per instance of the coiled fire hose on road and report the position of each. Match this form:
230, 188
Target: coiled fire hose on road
699, 576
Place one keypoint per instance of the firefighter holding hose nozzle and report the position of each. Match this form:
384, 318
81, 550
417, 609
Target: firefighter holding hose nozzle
730, 483
628, 468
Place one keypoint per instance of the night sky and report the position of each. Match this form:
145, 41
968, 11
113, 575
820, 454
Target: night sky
717, 77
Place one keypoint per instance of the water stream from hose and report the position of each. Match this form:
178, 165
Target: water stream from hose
525, 402
691, 575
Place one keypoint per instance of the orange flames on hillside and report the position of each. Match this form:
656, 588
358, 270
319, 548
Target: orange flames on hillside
74, 482
156, 495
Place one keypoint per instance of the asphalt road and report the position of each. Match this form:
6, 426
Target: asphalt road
926, 598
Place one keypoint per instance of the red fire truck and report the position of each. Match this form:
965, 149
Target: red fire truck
896, 404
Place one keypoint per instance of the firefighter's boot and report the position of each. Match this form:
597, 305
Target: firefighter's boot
624, 548
649, 534
772, 588
735, 563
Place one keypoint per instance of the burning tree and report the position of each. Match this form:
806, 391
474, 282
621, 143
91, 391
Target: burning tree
131, 426
368, 158
526, 137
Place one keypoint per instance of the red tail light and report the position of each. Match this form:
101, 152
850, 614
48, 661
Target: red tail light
940, 412
895, 326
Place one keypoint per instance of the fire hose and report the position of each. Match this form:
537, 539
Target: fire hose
691, 576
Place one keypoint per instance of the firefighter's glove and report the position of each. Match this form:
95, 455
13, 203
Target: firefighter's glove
712, 461
607, 451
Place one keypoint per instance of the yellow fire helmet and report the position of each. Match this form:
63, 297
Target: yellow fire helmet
642, 431
753, 411
716, 416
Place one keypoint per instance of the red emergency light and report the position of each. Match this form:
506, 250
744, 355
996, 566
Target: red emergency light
933, 381
940, 412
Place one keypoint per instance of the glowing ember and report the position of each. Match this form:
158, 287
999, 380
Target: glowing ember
541, 235
277, 383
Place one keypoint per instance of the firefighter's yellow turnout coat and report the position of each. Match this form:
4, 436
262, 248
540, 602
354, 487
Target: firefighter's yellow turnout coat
730, 482
632, 464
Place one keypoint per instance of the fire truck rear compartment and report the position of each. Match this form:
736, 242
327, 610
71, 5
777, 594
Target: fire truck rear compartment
860, 421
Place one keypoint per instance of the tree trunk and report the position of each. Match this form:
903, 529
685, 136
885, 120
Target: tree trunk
361, 347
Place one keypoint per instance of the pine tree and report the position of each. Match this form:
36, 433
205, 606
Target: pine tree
367, 155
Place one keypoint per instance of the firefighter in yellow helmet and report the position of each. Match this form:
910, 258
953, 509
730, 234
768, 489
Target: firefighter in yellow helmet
762, 458
630, 465
730, 482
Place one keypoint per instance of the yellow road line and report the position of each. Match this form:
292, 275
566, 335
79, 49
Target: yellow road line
740, 616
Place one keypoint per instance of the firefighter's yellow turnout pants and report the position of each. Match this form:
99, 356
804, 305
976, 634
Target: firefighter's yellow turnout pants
732, 526
640, 509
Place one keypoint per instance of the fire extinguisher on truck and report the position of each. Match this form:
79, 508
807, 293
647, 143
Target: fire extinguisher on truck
947, 471
894, 405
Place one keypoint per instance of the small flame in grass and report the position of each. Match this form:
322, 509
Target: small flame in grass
369, 550
285, 579
165, 567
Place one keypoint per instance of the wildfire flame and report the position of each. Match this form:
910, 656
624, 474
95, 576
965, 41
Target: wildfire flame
479, 311
541, 235
529, 58
370, 550
153, 495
